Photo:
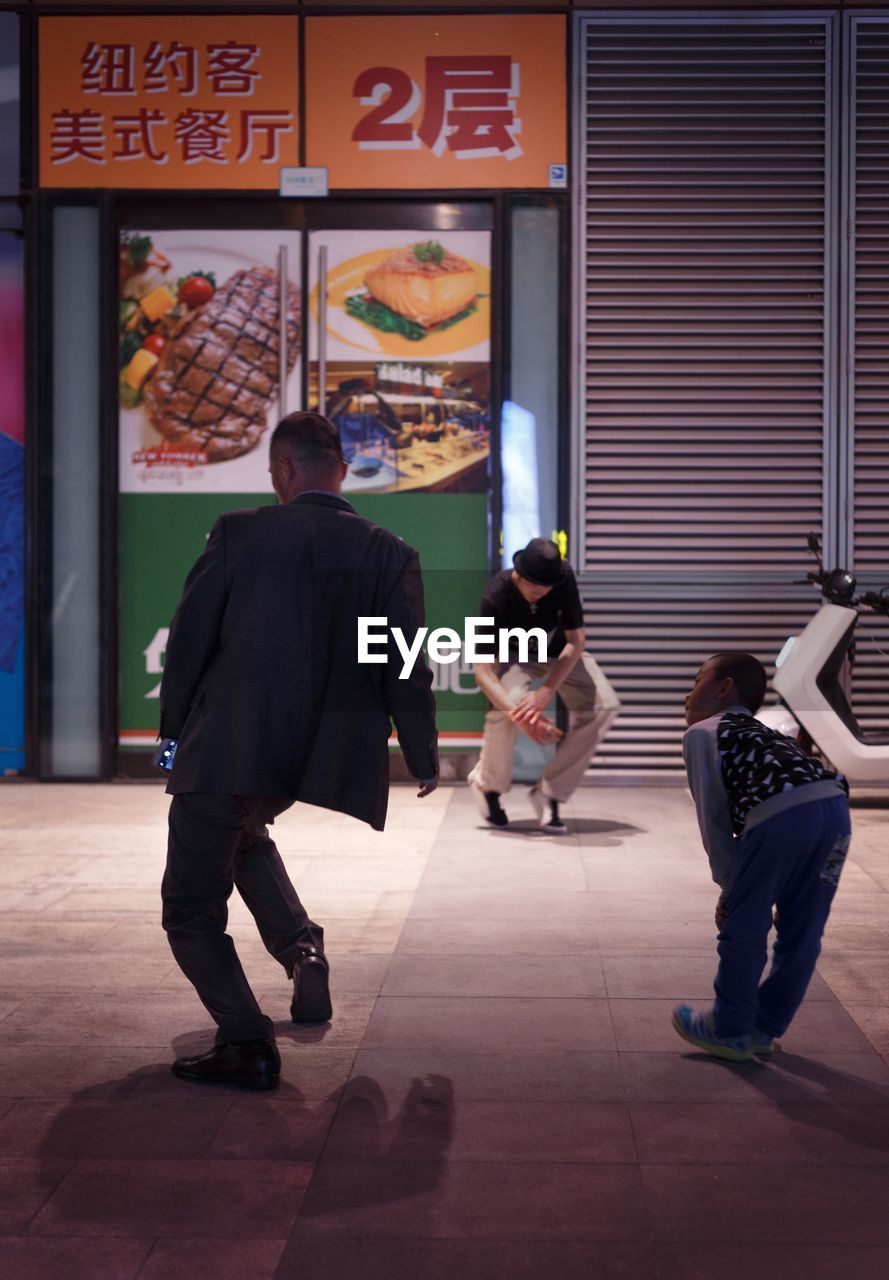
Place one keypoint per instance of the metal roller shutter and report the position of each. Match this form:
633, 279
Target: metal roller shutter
651, 645
867, 402
706, 363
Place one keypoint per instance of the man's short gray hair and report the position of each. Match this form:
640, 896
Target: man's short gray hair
309, 440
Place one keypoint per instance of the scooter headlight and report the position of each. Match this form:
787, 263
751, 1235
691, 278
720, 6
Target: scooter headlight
839, 586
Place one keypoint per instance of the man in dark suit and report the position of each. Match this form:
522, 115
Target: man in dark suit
264, 693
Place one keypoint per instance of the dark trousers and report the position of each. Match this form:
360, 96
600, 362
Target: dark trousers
793, 861
217, 843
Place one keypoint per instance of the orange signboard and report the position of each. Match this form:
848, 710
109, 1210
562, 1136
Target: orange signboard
437, 102
168, 101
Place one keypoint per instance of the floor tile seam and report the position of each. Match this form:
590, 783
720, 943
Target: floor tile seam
301, 1231
113, 1047
799, 1161
446, 996
527, 952
860, 1001
78, 1162
57, 1186
496, 1162
825, 978
226, 1111
153, 1242
34, 1238
478, 996
881, 1054
554, 1241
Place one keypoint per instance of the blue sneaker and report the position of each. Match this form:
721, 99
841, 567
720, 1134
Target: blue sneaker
697, 1029
762, 1043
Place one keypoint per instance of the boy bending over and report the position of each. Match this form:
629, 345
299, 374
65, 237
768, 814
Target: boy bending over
775, 825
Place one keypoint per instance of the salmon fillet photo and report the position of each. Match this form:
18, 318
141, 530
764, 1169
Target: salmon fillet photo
424, 284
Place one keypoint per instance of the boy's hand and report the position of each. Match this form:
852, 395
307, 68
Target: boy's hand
721, 912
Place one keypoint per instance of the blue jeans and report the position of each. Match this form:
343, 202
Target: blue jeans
793, 861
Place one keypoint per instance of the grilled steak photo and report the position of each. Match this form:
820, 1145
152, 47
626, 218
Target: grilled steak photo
215, 381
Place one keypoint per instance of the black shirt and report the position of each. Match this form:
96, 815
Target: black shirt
559, 611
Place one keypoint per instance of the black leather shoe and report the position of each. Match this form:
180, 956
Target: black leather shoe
311, 993
252, 1064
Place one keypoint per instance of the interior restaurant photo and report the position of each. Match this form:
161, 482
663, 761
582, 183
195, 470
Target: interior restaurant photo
444, 639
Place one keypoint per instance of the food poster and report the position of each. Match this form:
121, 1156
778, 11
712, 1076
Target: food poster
203, 372
404, 344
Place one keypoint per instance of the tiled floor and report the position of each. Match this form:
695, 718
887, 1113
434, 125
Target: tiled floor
500, 1093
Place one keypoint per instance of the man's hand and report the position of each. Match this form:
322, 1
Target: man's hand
531, 706
541, 730
427, 787
721, 913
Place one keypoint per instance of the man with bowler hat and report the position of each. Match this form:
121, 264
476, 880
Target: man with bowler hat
540, 591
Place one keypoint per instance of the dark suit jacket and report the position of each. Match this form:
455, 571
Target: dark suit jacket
262, 686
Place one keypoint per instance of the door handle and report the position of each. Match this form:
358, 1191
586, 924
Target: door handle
283, 303
322, 328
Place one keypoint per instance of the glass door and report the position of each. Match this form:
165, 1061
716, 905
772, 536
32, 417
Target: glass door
209, 358
231, 315
400, 359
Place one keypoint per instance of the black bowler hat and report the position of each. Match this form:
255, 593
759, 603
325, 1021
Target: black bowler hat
540, 562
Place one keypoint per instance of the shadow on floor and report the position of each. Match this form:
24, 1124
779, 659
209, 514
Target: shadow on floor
839, 1102
598, 831
372, 1158
302, 1033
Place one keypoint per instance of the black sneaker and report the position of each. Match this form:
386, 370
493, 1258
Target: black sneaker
489, 807
555, 824
547, 811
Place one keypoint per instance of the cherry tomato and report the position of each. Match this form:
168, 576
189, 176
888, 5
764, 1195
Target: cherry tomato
195, 291
155, 343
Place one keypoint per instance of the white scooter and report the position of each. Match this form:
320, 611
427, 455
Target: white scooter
809, 679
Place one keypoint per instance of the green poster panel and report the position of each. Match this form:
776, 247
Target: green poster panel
163, 534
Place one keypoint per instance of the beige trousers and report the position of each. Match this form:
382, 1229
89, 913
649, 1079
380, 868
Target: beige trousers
593, 707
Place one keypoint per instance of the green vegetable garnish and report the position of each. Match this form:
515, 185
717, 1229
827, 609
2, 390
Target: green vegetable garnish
461, 315
380, 317
429, 251
204, 275
138, 249
129, 345
129, 396
126, 308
